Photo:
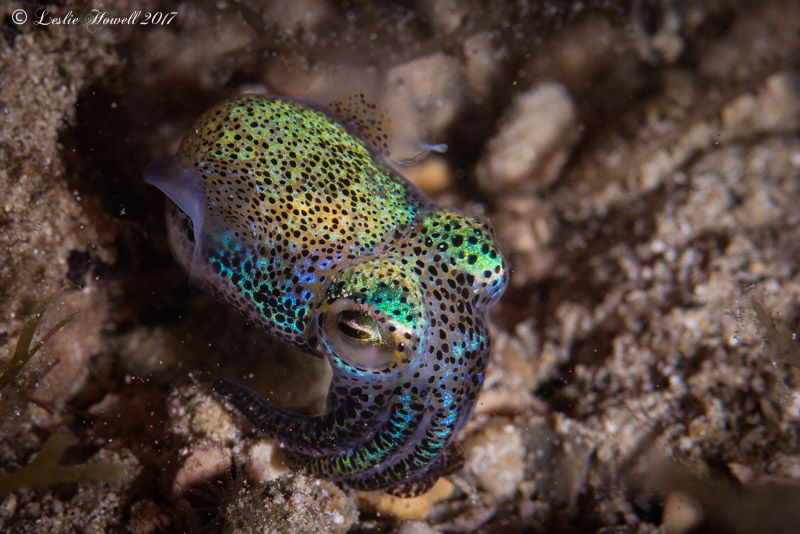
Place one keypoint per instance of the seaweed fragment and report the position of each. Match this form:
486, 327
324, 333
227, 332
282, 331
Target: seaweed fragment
45, 470
25, 350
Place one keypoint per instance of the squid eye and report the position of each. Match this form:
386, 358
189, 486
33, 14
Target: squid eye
358, 326
358, 338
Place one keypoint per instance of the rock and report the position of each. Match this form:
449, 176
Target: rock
510, 377
295, 16
433, 175
204, 54
495, 455
774, 107
194, 413
665, 44
150, 353
482, 61
450, 15
422, 97
414, 527
265, 461
535, 137
681, 513
201, 464
525, 227
67, 357
417, 508
290, 504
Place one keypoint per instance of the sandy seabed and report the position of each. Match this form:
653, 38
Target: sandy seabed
640, 163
